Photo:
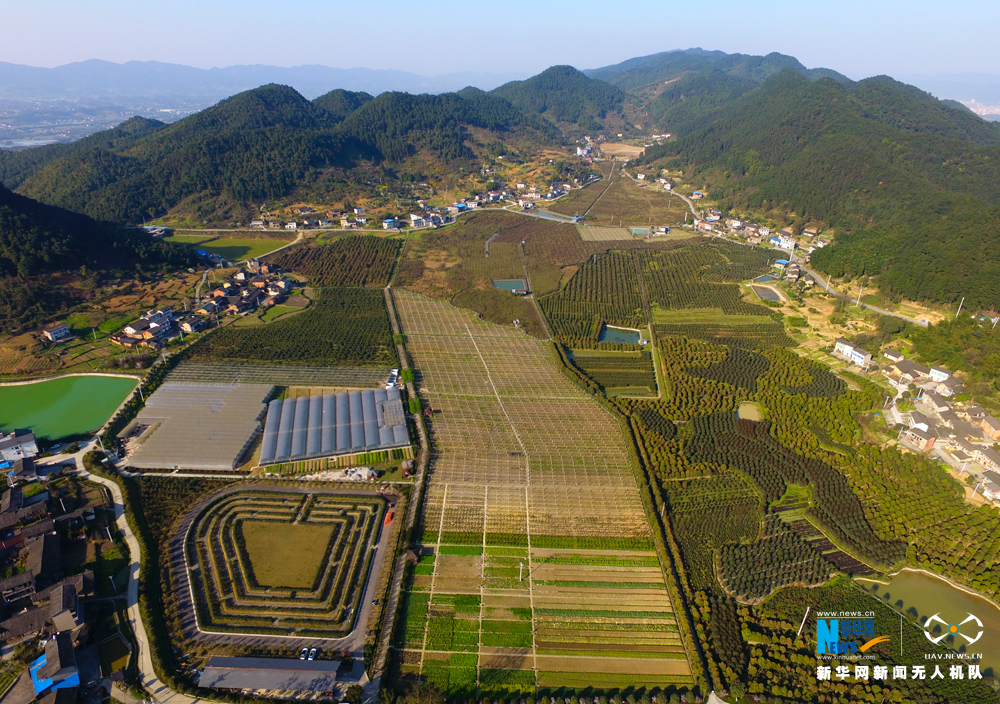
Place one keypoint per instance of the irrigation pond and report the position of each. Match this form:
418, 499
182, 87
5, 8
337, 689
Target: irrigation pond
69, 405
625, 336
913, 591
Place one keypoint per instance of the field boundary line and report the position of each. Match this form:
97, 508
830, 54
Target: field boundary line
482, 587
489, 377
611, 182
531, 590
430, 594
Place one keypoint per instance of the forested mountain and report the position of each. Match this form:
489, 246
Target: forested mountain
566, 97
909, 182
656, 68
259, 145
340, 103
38, 240
398, 124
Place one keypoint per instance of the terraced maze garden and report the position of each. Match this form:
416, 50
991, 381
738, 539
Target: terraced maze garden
277, 562
537, 570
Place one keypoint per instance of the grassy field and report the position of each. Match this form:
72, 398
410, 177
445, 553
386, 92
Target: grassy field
286, 554
524, 581
238, 249
623, 203
64, 406
278, 311
705, 316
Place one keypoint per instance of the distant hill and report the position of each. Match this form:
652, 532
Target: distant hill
97, 81
644, 70
677, 89
904, 178
340, 103
256, 146
566, 97
38, 240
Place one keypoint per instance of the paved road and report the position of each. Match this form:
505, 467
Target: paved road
845, 297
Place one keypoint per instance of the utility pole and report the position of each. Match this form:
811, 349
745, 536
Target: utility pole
960, 307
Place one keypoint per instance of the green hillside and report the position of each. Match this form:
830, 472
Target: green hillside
260, 145
38, 241
566, 97
905, 179
340, 103
643, 71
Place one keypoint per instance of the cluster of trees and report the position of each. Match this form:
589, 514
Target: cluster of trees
346, 327
605, 289
780, 558
723, 440
349, 261
741, 369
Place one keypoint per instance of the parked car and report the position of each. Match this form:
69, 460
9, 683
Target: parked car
312, 654
304, 654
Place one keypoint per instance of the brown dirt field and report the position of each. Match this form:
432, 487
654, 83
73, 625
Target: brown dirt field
542, 553
600, 573
600, 646
613, 149
614, 666
506, 602
436, 656
505, 658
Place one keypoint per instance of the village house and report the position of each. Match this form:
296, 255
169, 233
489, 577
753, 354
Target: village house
920, 439
851, 353
991, 485
991, 428
17, 446
935, 401
939, 374
988, 457
906, 372
892, 355
57, 332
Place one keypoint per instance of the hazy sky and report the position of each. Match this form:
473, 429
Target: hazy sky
858, 38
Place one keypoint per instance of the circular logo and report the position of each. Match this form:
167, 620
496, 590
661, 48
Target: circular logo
953, 629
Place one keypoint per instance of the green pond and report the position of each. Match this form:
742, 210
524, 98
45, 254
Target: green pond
928, 595
69, 405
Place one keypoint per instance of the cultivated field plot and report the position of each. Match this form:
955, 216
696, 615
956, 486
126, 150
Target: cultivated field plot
282, 563
596, 233
279, 375
537, 570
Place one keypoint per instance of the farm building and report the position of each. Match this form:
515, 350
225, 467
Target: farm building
283, 674
324, 425
196, 426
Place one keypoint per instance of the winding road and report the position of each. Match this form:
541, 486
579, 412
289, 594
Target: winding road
845, 297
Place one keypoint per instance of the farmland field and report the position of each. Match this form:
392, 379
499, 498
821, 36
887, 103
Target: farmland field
241, 546
285, 554
538, 562
346, 326
622, 204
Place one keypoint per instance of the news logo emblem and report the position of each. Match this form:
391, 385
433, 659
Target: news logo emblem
843, 636
951, 629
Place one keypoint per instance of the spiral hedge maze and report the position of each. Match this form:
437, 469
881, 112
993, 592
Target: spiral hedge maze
281, 563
